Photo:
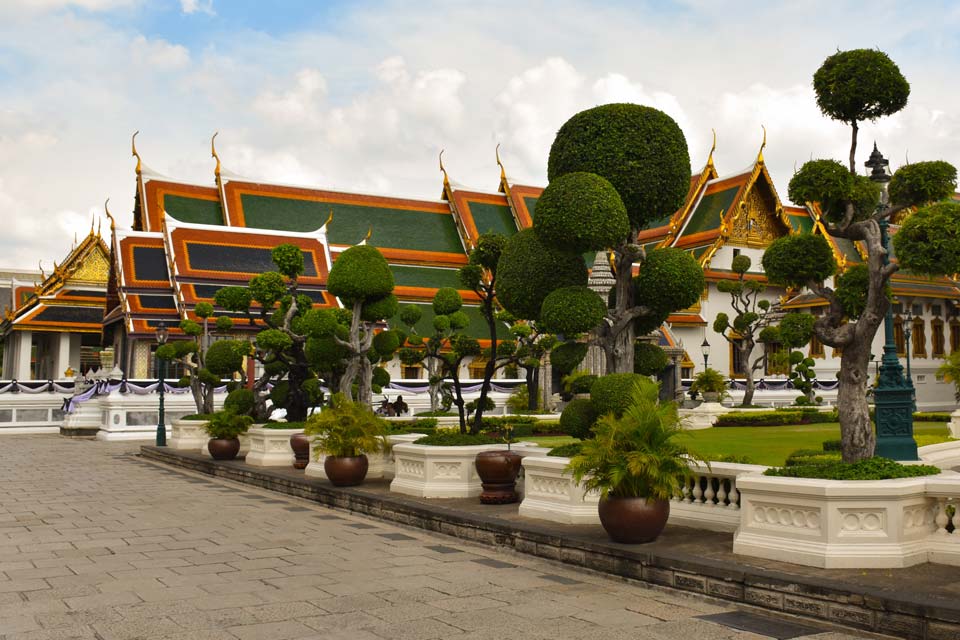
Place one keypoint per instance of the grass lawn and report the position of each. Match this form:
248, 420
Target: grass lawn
769, 445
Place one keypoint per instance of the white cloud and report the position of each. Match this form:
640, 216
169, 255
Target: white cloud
194, 6
159, 53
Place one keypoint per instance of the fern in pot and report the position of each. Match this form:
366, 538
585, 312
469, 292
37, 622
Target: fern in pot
637, 463
344, 432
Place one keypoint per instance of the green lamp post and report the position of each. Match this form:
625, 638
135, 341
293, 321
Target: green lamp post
162, 335
893, 396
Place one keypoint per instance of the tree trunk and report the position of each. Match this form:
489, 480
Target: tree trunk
458, 400
433, 385
856, 428
853, 147
622, 352
208, 404
748, 391
491, 367
532, 387
365, 375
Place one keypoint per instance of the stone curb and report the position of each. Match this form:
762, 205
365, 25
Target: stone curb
903, 615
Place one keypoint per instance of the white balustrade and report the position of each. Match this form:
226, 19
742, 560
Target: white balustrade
710, 499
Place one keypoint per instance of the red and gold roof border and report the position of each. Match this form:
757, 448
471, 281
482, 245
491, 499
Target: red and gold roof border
156, 190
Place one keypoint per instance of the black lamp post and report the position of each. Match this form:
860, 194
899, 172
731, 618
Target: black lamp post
162, 335
705, 350
907, 335
893, 396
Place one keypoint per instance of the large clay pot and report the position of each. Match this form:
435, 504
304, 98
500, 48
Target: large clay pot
633, 520
300, 444
345, 471
223, 448
498, 472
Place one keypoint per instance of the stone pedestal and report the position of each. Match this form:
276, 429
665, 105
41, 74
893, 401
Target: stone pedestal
188, 435
955, 424
134, 417
270, 447
381, 465
703, 417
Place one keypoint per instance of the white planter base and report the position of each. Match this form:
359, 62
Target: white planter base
188, 435
381, 464
270, 447
703, 417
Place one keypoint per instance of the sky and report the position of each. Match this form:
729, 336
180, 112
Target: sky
363, 95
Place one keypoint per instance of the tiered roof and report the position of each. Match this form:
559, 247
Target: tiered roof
70, 299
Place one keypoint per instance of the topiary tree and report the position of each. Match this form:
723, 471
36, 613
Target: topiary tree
853, 86
287, 320
613, 170
649, 359
611, 393
205, 364
793, 332
753, 315
577, 418
362, 279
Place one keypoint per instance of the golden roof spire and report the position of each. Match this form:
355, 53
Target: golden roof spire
329, 220
133, 147
762, 145
213, 154
712, 148
367, 237
503, 172
113, 223
446, 178
42, 274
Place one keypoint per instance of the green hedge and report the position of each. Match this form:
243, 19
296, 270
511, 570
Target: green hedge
415, 425
566, 450
931, 416
198, 416
775, 418
870, 469
454, 439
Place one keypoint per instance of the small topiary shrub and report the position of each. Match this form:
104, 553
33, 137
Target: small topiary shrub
577, 418
198, 417
583, 384
811, 457
869, 469
612, 393
833, 445
567, 356
649, 359
455, 439
240, 402
734, 458
566, 450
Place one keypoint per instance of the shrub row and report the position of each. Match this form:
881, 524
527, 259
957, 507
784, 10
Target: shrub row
566, 450
870, 469
775, 418
455, 439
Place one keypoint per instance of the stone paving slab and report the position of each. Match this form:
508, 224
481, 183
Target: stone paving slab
281, 568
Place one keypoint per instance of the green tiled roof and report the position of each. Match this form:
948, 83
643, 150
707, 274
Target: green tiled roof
476, 329
392, 228
699, 251
531, 203
493, 218
193, 210
848, 249
706, 217
801, 224
430, 277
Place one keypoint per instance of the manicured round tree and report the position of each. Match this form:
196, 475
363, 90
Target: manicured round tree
642, 154
857, 85
571, 310
566, 357
361, 277
670, 279
796, 260
929, 241
577, 418
529, 270
612, 393
581, 212
649, 359
640, 150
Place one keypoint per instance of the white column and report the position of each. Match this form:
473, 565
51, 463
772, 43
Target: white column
61, 356
21, 368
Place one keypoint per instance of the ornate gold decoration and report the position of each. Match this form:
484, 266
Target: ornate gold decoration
133, 146
712, 148
7, 313
503, 172
95, 268
446, 178
113, 223
213, 154
367, 237
755, 223
323, 227
762, 145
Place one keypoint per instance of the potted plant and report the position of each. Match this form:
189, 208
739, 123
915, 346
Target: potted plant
224, 427
344, 432
711, 384
498, 472
636, 464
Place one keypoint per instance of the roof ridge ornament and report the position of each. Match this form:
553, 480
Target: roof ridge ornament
106, 209
323, 227
213, 154
446, 178
366, 238
712, 149
762, 146
503, 172
133, 148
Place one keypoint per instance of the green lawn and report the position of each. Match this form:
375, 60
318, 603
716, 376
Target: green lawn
768, 445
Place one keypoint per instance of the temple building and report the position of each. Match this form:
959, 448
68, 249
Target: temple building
188, 240
52, 329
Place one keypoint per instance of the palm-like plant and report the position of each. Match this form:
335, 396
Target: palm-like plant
637, 455
950, 372
346, 429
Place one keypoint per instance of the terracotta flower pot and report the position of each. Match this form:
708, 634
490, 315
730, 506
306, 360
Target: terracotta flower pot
498, 472
223, 448
633, 520
300, 444
346, 471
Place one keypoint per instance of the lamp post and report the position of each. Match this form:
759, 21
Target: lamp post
907, 335
893, 396
705, 350
162, 335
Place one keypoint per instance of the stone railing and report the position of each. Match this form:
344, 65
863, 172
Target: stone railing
710, 498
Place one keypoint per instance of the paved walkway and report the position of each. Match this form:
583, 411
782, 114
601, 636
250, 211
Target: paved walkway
96, 543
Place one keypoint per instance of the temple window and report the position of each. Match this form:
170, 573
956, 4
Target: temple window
954, 335
773, 365
937, 341
898, 336
919, 338
408, 372
738, 368
477, 369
